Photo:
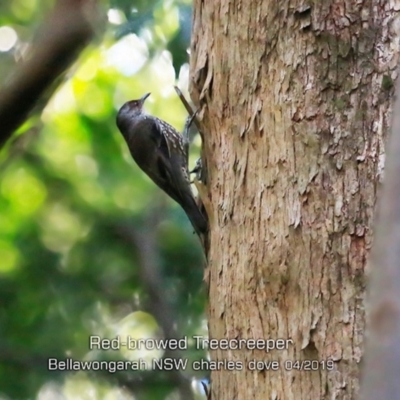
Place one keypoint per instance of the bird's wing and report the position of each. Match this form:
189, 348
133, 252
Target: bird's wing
172, 138
172, 174
163, 128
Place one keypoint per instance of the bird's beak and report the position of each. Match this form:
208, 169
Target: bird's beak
143, 98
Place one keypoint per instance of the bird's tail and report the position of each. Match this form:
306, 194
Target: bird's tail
196, 217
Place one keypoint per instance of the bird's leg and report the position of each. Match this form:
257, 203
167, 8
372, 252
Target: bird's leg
186, 129
188, 124
197, 170
200, 180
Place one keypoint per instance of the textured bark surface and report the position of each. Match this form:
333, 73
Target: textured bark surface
296, 104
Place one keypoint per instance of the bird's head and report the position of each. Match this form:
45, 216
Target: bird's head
130, 110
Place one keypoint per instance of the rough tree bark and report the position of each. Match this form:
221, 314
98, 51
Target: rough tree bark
296, 100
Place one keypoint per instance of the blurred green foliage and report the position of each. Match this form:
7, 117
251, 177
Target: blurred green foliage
67, 186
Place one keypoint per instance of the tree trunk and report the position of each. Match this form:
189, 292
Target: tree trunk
296, 105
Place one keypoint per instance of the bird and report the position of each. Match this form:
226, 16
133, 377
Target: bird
161, 152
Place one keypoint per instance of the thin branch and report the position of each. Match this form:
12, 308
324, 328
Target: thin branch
188, 108
64, 33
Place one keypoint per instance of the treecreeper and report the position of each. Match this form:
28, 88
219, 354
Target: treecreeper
162, 153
